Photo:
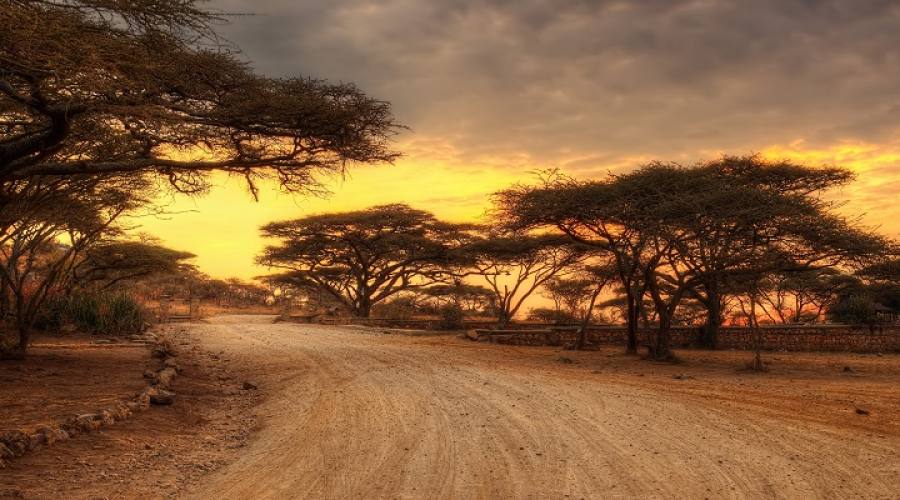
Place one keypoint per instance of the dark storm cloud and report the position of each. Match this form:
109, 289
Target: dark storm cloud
592, 81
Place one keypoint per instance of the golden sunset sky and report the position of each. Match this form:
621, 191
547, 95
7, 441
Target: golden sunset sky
493, 90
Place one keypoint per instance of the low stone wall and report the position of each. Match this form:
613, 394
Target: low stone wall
835, 338
15, 443
831, 338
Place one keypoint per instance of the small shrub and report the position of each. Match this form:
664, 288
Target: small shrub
400, 308
451, 317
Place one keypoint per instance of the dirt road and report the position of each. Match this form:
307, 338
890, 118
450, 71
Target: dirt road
351, 414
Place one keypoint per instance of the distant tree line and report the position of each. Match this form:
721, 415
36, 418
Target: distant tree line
738, 239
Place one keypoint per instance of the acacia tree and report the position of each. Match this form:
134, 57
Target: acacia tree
696, 220
363, 257
467, 297
799, 236
100, 87
40, 244
589, 213
118, 263
569, 294
514, 267
801, 296
584, 294
748, 184
678, 232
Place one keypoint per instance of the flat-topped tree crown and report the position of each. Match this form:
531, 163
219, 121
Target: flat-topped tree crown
679, 232
363, 257
99, 87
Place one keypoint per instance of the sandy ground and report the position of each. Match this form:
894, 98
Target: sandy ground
358, 414
65, 376
157, 453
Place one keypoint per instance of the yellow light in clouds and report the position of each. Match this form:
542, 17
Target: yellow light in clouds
222, 227
875, 194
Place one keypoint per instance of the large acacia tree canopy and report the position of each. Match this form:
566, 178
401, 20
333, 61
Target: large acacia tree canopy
686, 231
118, 263
104, 86
744, 186
719, 205
363, 257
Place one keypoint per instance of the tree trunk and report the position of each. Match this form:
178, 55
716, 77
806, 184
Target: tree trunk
631, 321
710, 336
503, 319
756, 335
363, 308
662, 349
582, 331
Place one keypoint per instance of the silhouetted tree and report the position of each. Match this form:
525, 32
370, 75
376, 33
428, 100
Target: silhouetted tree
871, 295
801, 296
591, 213
569, 294
515, 266
363, 257
677, 232
100, 87
46, 225
119, 263
716, 245
600, 276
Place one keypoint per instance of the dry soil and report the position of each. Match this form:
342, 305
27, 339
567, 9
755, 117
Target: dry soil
350, 413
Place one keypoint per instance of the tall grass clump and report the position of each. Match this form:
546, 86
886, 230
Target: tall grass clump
97, 313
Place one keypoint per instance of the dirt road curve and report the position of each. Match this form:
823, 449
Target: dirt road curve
350, 414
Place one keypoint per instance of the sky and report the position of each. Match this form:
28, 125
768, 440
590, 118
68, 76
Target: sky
493, 91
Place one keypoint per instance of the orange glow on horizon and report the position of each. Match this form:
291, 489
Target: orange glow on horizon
222, 227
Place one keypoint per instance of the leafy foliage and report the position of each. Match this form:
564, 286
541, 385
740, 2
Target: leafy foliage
363, 257
100, 87
676, 233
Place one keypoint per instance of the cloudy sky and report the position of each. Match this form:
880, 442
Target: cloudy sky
494, 89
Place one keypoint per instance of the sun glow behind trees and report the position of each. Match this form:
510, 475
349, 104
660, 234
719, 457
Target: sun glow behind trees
458, 192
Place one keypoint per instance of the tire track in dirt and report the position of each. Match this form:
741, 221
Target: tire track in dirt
358, 415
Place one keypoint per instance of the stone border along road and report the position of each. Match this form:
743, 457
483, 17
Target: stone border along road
349, 414
17, 443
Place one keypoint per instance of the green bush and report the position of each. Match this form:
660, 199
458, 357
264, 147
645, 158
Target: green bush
451, 317
98, 313
547, 315
399, 308
855, 309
